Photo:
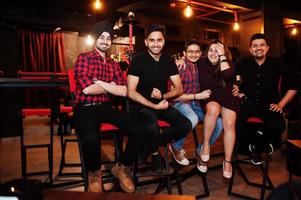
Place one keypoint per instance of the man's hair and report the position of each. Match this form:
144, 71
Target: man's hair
258, 36
154, 27
191, 42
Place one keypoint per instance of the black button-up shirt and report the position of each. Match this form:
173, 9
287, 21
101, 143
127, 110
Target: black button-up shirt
261, 83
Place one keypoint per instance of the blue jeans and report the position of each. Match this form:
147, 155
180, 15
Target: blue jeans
195, 114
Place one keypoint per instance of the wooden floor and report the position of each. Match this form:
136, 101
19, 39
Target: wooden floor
71, 195
37, 129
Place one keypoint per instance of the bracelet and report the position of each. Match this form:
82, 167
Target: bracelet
194, 96
221, 55
225, 60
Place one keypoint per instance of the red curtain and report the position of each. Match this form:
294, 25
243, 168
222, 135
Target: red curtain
42, 52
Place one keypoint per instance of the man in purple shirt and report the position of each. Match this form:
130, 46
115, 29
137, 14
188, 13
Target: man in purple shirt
98, 79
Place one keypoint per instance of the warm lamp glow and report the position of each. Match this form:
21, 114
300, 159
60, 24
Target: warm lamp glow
236, 26
294, 31
188, 12
97, 5
89, 40
172, 5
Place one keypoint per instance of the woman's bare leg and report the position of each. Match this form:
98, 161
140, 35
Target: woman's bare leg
228, 118
213, 110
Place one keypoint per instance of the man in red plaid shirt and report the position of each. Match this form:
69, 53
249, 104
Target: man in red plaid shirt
99, 79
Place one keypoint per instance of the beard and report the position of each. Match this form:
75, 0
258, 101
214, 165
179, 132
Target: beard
259, 56
102, 47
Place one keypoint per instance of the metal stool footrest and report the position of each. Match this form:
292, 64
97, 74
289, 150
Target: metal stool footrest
24, 160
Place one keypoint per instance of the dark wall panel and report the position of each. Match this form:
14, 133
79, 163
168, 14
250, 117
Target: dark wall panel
9, 98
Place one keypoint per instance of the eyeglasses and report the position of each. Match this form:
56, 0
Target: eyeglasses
193, 51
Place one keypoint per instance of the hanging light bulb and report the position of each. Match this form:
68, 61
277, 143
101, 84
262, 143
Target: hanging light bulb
236, 26
188, 12
294, 31
97, 5
89, 40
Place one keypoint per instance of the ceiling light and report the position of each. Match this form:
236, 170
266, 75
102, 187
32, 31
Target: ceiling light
294, 31
188, 12
89, 40
97, 5
236, 26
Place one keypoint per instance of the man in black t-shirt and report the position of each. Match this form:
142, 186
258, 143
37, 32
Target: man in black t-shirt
147, 80
261, 76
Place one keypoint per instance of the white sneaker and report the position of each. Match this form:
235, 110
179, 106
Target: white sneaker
179, 155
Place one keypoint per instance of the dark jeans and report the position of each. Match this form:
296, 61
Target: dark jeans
88, 121
272, 128
180, 126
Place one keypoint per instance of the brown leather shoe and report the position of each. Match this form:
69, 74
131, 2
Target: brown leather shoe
95, 181
124, 177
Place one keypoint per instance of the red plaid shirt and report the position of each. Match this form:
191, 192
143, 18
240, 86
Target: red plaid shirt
190, 78
91, 65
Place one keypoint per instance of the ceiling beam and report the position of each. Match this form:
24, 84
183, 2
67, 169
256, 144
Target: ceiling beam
209, 13
214, 20
207, 5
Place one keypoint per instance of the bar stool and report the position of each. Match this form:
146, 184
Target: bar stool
194, 171
25, 112
107, 131
264, 167
24, 147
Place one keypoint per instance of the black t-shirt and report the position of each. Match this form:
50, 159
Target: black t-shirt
152, 73
260, 83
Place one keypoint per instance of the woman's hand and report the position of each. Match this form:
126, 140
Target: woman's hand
220, 49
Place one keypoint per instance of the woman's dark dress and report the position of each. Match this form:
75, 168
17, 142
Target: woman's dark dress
221, 93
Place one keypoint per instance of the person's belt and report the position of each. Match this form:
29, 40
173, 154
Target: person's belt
92, 104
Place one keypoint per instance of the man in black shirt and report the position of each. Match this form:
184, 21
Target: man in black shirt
261, 77
147, 80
